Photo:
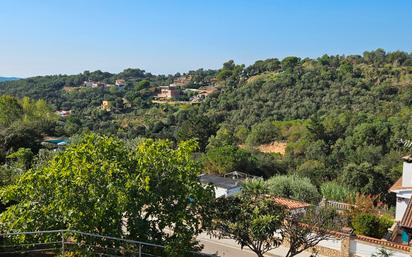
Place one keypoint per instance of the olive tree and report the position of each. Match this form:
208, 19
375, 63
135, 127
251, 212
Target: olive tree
305, 231
252, 221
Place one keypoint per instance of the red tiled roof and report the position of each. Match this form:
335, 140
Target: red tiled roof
398, 186
289, 203
383, 242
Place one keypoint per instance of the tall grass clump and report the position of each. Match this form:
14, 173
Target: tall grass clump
336, 192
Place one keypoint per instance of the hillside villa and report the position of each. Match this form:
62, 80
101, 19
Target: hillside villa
223, 186
168, 92
94, 84
120, 82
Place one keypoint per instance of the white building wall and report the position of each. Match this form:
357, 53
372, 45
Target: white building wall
331, 244
402, 200
407, 174
401, 204
362, 249
223, 192
220, 192
405, 194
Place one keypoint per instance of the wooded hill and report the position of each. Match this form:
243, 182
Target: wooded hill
343, 118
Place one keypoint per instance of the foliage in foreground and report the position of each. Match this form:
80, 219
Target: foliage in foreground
257, 222
382, 252
371, 225
305, 231
99, 185
251, 221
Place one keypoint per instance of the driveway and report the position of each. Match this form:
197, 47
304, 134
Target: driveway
229, 248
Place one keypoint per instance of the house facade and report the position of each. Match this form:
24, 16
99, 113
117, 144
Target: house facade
120, 82
223, 186
168, 92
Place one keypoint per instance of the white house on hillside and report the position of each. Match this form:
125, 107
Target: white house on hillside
224, 186
227, 185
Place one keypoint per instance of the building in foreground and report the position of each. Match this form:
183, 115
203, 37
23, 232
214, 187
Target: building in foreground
403, 190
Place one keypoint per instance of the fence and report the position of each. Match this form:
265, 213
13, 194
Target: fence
53, 242
339, 206
360, 246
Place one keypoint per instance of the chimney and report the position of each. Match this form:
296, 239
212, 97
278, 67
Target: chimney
407, 171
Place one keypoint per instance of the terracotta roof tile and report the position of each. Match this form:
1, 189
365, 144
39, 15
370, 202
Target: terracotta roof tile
289, 203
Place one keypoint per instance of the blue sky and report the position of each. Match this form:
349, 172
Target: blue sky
165, 36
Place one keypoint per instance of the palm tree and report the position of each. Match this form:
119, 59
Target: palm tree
382, 252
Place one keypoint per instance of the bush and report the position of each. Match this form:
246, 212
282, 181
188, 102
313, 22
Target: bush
293, 187
371, 225
334, 191
262, 133
224, 159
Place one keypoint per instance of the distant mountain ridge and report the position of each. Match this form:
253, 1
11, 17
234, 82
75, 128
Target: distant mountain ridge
8, 78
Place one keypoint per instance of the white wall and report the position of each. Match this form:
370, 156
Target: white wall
219, 192
401, 204
405, 194
223, 192
362, 249
407, 174
331, 244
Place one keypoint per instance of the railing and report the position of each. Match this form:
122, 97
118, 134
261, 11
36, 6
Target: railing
52, 242
339, 205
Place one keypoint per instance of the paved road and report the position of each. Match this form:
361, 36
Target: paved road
229, 248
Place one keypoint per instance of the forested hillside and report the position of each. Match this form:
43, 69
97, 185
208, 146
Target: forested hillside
341, 118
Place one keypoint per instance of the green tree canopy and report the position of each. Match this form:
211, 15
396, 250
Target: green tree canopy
262, 133
251, 221
225, 159
100, 185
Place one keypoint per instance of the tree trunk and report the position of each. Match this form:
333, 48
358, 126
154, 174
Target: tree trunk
289, 253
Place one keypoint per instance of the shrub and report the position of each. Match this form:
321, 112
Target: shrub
254, 187
262, 133
334, 191
293, 187
371, 225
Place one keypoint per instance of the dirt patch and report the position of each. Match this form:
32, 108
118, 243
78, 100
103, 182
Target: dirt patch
274, 147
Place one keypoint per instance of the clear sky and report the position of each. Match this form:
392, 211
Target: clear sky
40, 37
